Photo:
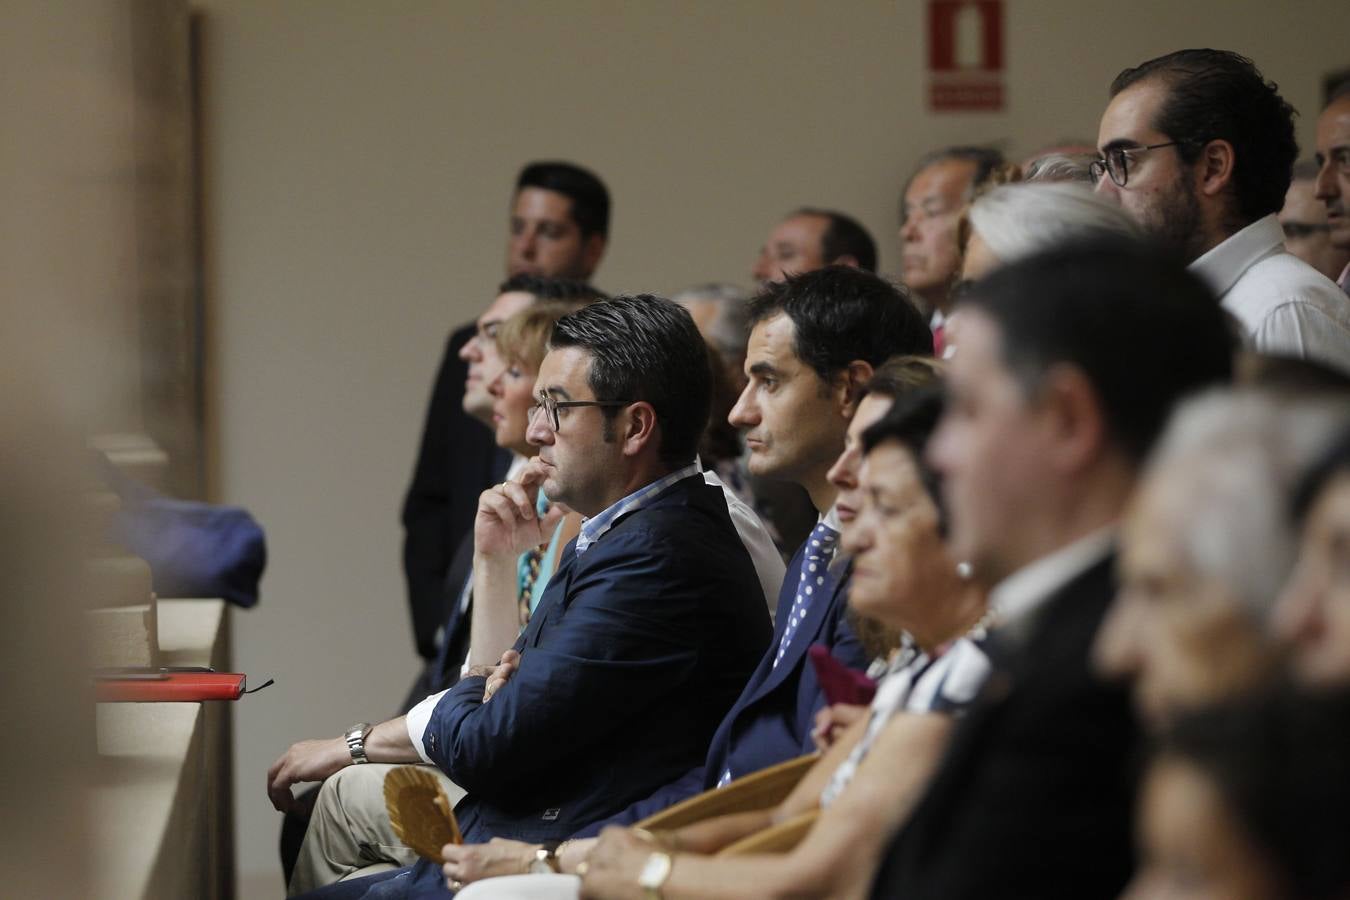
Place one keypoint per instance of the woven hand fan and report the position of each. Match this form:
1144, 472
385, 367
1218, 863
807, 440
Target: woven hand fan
420, 812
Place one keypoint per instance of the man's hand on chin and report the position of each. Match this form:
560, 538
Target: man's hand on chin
304, 761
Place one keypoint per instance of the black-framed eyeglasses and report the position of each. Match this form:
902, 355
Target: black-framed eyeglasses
1116, 162
546, 402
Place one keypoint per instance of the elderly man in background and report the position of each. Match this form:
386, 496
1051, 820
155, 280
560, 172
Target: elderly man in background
1198, 147
930, 209
1307, 230
1333, 174
811, 239
1206, 547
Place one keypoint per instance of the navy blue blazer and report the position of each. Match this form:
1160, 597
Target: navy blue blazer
637, 649
771, 721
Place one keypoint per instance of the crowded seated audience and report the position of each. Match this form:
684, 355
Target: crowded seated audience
1063, 605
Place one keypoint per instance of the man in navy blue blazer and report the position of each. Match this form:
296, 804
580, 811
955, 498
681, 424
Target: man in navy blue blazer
647, 631
815, 341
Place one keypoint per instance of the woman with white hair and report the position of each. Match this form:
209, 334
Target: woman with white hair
1013, 221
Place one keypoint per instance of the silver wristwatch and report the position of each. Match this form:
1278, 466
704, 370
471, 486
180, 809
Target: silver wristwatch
356, 742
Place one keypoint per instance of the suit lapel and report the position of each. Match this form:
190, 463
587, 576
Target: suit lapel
807, 632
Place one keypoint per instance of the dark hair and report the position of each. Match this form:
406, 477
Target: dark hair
901, 374
571, 290
646, 348
1221, 95
844, 236
1333, 461
911, 421
843, 314
986, 160
1281, 762
590, 198
1142, 329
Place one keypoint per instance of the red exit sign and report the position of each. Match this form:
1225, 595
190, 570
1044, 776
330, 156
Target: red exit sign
965, 55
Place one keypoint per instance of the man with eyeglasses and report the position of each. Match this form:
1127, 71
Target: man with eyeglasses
1198, 147
1333, 172
646, 633
1307, 232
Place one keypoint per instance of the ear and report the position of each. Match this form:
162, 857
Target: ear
849, 384
637, 428
592, 251
1215, 167
1076, 426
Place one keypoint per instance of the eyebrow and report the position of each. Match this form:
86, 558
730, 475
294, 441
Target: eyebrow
763, 368
558, 392
1121, 144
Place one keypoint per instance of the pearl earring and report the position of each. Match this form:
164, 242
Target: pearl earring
964, 570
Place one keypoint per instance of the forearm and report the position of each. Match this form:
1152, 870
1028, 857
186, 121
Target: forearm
712, 835
755, 877
496, 610
389, 742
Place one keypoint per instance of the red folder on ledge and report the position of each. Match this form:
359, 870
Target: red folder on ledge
170, 687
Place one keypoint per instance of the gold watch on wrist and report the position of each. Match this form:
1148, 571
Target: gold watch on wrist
654, 873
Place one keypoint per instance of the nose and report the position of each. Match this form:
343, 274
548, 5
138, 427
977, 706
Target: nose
1326, 187
537, 430
496, 386
1114, 652
526, 243
844, 473
470, 352
743, 414
762, 270
1297, 616
909, 229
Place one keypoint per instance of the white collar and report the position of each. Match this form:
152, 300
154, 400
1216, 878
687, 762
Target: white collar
1016, 598
831, 518
1221, 266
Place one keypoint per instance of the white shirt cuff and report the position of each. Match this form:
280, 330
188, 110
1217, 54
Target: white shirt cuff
417, 720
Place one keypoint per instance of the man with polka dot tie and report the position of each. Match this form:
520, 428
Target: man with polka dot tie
815, 340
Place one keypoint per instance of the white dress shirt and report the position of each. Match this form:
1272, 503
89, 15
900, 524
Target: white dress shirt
1016, 598
1286, 307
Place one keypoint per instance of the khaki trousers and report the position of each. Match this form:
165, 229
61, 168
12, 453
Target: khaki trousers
350, 831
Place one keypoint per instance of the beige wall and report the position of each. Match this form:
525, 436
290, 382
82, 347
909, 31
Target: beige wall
359, 161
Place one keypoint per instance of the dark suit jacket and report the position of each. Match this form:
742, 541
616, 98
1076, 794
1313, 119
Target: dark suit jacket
457, 461
1035, 794
771, 720
637, 649
442, 670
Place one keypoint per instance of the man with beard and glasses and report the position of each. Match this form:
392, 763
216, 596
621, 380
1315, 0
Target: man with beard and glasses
1198, 147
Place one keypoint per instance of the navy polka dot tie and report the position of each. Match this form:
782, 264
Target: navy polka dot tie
815, 560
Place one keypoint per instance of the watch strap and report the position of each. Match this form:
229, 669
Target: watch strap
356, 742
